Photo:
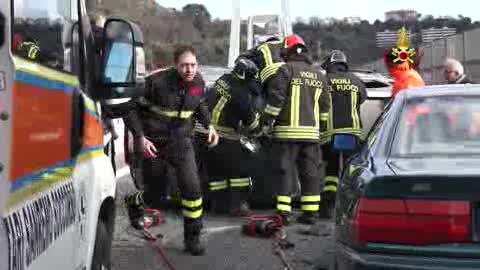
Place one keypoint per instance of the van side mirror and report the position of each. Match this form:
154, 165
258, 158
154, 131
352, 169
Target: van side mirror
123, 60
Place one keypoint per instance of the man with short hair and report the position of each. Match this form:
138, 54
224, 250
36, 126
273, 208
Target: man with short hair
455, 73
173, 97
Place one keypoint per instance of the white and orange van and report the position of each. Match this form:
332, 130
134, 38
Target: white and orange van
57, 186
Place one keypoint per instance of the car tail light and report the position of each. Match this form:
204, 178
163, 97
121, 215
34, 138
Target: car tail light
414, 222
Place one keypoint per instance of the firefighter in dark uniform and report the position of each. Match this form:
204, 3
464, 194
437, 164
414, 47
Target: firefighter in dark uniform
232, 103
29, 49
267, 57
296, 96
348, 93
173, 97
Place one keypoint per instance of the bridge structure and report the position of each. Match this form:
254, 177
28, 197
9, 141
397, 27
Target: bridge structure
272, 24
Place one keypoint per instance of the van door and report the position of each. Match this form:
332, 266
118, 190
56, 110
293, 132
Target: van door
40, 208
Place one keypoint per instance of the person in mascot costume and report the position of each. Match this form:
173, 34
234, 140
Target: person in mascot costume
401, 62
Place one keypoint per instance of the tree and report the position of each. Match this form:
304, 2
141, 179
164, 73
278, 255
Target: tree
199, 14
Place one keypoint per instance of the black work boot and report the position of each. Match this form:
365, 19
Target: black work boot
307, 218
192, 242
135, 208
327, 207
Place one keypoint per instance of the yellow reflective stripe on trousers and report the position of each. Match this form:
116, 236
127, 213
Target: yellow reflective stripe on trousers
241, 182
331, 188
333, 179
192, 204
217, 185
311, 198
217, 110
310, 207
284, 199
295, 106
275, 111
283, 207
192, 214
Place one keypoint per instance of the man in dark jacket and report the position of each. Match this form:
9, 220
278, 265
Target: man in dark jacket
172, 98
455, 72
232, 103
342, 124
296, 97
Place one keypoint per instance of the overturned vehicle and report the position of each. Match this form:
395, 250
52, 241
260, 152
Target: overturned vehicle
256, 156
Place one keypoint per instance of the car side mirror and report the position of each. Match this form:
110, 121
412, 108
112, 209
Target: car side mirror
123, 60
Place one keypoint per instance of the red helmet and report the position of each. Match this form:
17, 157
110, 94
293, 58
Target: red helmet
293, 40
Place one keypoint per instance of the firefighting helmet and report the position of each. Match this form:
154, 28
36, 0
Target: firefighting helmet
291, 41
403, 52
336, 56
245, 69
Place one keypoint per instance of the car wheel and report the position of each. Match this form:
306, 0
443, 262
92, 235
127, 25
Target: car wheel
101, 254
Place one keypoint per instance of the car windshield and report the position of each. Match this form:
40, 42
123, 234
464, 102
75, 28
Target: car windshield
442, 125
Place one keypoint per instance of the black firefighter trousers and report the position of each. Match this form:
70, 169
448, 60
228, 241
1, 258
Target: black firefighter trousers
179, 154
306, 157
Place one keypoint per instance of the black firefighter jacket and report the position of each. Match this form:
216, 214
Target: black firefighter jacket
232, 103
296, 97
348, 93
168, 107
268, 58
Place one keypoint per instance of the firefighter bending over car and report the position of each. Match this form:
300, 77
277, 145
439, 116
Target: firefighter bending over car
232, 105
342, 125
172, 98
267, 56
296, 97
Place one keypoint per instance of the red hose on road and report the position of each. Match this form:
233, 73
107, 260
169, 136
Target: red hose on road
159, 247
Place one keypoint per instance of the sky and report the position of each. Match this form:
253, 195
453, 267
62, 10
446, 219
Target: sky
366, 9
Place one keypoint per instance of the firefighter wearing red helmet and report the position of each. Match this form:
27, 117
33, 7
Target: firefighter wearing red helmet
296, 97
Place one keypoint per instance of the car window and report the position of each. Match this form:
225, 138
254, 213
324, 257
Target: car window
442, 125
372, 135
42, 32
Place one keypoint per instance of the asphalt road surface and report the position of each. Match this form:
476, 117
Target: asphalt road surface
227, 247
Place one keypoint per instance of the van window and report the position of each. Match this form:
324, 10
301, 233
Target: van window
42, 32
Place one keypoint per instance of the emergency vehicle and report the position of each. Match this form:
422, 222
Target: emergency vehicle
57, 185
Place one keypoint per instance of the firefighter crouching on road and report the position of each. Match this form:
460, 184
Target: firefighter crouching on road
296, 97
231, 102
172, 98
348, 93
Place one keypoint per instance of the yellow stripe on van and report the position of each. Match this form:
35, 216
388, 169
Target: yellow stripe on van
44, 72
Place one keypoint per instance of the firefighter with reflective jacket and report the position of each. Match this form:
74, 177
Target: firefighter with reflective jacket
172, 98
232, 103
348, 93
29, 49
267, 57
296, 97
